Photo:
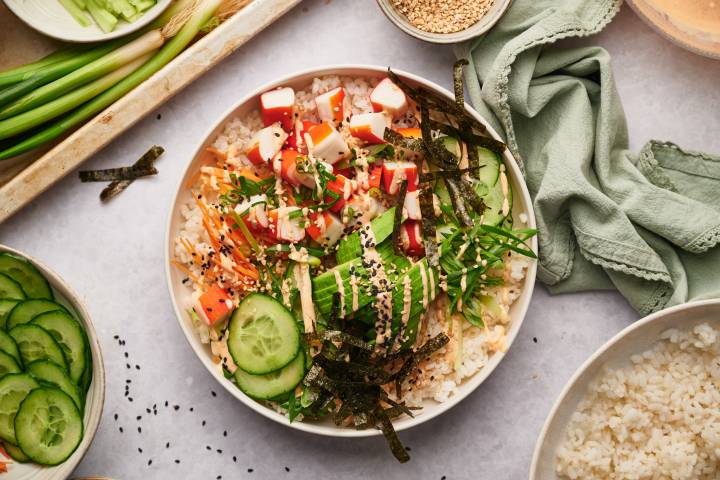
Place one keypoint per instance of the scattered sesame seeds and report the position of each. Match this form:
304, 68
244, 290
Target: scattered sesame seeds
442, 16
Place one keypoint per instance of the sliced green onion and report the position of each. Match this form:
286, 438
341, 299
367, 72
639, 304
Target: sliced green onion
18, 74
147, 43
169, 51
30, 119
246, 233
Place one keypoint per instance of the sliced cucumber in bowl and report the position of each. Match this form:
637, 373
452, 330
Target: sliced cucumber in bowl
68, 333
263, 335
273, 384
36, 343
13, 390
26, 310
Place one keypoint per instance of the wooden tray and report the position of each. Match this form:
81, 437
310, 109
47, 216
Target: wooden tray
24, 178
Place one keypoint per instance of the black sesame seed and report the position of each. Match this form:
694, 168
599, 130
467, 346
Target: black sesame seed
116, 337
139, 450
208, 447
116, 417
139, 430
130, 399
149, 462
287, 469
224, 433
203, 423
213, 393
137, 367
219, 451
176, 407
159, 116
167, 445
138, 418
234, 459
192, 409
177, 461
250, 470
121, 430
127, 354
535, 339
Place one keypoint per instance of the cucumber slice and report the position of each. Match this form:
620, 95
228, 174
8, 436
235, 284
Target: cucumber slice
10, 289
6, 306
8, 345
48, 426
273, 384
87, 375
15, 453
490, 163
36, 343
263, 335
28, 309
50, 374
416, 300
8, 364
13, 390
69, 335
23, 272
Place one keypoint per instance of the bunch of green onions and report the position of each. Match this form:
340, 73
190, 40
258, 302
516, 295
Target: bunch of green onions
43, 100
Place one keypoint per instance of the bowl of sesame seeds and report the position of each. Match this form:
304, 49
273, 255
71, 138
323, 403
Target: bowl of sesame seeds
444, 21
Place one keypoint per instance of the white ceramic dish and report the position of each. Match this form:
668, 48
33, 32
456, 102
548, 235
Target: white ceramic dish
50, 18
96, 395
497, 10
180, 294
616, 352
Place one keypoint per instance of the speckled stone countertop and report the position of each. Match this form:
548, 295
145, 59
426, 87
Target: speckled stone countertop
113, 256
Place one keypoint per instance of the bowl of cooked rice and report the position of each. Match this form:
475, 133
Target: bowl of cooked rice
448, 375
646, 405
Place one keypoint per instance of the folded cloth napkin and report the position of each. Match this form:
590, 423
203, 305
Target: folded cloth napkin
646, 224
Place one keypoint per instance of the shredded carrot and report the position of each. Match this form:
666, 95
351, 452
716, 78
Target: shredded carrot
185, 270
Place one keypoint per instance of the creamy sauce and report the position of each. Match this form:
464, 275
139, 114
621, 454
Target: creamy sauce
379, 284
302, 277
407, 306
432, 284
341, 292
354, 291
504, 186
423, 277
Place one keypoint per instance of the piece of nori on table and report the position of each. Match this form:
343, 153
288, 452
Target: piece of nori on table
118, 186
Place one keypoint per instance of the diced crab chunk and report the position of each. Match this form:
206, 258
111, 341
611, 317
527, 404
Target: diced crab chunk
394, 173
411, 238
214, 305
412, 205
388, 97
331, 105
362, 207
265, 144
288, 224
278, 106
325, 228
293, 168
327, 143
296, 140
341, 188
253, 210
369, 127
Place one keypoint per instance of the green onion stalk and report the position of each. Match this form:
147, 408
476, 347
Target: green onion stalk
197, 17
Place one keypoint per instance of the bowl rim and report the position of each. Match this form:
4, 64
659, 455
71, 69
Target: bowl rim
65, 469
639, 324
474, 30
141, 22
479, 377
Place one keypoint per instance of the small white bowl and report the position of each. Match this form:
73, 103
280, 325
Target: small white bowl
96, 394
616, 353
180, 293
50, 18
496, 11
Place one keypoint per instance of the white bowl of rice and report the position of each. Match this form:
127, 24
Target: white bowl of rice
646, 405
483, 349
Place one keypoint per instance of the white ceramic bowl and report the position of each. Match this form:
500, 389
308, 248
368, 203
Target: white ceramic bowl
96, 394
496, 11
50, 18
616, 353
181, 294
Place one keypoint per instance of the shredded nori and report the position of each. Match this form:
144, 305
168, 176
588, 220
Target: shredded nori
118, 186
397, 220
348, 376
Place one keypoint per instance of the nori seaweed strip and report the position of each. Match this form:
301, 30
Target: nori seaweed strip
458, 82
456, 197
113, 174
397, 221
468, 136
427, 210
470, 195
373, 374
394, 138
335, 335
441, 174
396, 446
429, 347
116, 187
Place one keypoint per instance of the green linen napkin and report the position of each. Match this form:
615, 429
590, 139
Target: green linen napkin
647, 224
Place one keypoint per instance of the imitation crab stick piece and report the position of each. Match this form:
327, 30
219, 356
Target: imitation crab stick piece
278, 106
330, 105
286, 163
255, 207
394, 173
288, 224
214, 305
388, 97
328, 144
342, 187
413, 132
266, 144
374, 177
295, 139
411, 238
369, 127
412, 205
325, 228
